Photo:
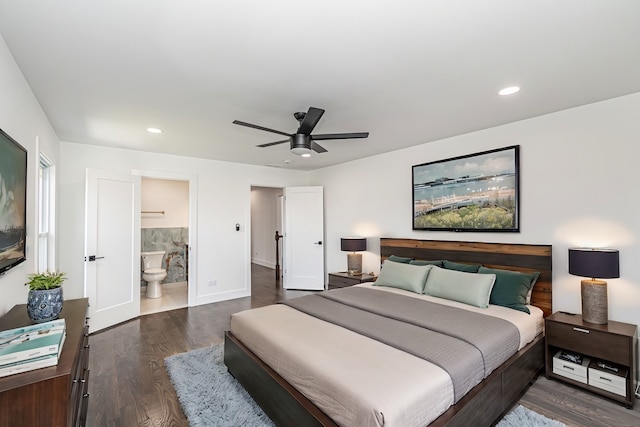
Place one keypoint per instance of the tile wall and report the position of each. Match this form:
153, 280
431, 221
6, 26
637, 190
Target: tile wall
174, 242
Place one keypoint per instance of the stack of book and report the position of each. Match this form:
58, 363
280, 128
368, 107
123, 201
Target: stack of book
31, 347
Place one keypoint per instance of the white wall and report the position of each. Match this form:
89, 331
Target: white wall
169, 196
264, 223
23, 119
223, 199
579, 187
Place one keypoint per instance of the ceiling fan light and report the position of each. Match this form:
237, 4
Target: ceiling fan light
301, 151
301, 144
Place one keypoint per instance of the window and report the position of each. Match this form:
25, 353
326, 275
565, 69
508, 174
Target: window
46, 214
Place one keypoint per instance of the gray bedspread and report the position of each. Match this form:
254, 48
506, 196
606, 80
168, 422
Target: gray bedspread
467, 345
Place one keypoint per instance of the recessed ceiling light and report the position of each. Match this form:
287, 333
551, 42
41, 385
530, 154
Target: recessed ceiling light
509, 90
154, 130
286, 162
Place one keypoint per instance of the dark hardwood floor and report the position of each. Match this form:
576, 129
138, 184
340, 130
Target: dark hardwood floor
129, 385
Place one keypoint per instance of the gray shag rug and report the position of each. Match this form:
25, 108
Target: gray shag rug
208, 393
525, 417
210, 396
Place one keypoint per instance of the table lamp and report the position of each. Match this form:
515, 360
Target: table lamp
354, 260
597, 264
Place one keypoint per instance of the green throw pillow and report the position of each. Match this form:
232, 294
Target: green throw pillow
399, 259
437, 263
469, 288
511, 287
467, 268
403, 276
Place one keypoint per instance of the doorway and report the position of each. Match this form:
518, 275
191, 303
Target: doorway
165, 231
296, 213
112, 252
266, 220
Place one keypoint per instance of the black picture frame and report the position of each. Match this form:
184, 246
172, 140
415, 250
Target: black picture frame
13, 202
475, 192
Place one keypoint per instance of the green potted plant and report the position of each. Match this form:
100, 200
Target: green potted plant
44, 302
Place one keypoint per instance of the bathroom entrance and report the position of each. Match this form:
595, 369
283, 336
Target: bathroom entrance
164, 244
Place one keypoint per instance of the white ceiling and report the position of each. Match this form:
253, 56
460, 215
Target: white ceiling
409, 72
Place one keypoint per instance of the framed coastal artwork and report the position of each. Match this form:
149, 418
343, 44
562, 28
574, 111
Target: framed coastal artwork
476, 192
13, 202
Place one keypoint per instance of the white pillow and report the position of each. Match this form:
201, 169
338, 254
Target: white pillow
469, 288
404, 276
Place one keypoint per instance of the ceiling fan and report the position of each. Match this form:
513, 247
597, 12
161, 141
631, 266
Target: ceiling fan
302, 142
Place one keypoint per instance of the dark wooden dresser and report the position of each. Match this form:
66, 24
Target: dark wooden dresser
54, 396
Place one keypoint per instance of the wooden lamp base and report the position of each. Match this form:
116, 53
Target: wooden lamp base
594, 301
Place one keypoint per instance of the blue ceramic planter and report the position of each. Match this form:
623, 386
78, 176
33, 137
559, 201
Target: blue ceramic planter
44, 305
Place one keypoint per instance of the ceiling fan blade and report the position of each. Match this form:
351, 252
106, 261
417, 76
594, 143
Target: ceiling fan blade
310, 120
353, 135
249, 125
269, 144
318, 148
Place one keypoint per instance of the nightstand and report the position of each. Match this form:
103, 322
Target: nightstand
613, 343
344, 279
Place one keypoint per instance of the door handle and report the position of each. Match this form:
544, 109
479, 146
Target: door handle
319, 242
93, 258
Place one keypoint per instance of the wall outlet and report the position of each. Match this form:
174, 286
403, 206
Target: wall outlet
213, 283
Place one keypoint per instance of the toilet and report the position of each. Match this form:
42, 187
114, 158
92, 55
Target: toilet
153, 273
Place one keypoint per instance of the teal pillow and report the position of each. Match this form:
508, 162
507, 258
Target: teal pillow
511, 287
399, 259
469, 288
403, 276
437, 263
467, 268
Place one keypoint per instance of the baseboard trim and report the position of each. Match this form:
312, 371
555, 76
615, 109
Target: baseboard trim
271, 265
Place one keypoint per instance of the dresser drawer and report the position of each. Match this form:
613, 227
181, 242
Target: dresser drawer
602, 345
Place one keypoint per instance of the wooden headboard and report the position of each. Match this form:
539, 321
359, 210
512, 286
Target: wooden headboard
507, 256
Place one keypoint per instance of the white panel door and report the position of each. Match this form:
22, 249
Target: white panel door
303, 238
112, 247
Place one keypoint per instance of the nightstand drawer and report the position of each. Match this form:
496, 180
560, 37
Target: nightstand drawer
614, 348
341, 282
571, 370
610, 381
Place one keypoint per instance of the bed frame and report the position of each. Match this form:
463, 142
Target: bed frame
485, 404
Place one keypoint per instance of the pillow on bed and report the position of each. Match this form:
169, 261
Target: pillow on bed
421, 262
399, 259
511, 287
468, 268
469, 288
403, 275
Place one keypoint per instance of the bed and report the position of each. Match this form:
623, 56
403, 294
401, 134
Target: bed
343, 377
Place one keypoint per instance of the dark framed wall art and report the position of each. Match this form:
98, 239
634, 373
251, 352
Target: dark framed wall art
476, 192
13, 202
